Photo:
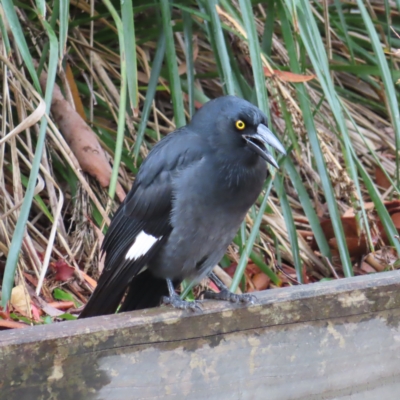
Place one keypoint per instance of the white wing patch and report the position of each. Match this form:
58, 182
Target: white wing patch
141, 245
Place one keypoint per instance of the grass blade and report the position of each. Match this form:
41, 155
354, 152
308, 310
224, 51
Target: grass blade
174, 79
16, 242
387, 81
255, 52
250, 242
188, 34
122, 104
314, 141
290, 226
64, 19
15, 26
151, 91
130, 52
308, 208
222, 53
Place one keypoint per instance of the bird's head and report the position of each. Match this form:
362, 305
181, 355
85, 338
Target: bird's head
233, 125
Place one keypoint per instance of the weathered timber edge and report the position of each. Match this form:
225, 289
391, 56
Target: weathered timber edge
339, 298
324, 334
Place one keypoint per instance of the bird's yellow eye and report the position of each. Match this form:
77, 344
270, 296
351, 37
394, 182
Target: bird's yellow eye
240, 125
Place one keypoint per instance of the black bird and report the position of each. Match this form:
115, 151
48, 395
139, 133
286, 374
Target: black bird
186, 205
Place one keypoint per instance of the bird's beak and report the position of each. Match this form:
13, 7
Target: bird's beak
258, 140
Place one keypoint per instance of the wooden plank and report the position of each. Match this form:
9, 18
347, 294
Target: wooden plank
336, 339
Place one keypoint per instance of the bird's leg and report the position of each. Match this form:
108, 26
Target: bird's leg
175, 301
225, 294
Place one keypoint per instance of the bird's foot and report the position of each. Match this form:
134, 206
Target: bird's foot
176, 302
226, 295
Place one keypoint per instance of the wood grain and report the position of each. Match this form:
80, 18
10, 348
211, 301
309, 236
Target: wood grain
337, 339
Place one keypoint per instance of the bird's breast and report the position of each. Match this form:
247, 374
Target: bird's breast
208, 205
210, 200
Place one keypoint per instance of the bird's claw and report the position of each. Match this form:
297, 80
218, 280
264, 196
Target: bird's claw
226, 295
176, 302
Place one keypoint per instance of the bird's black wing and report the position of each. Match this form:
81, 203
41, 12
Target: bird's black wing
146, 208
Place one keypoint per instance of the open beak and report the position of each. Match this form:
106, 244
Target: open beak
257, 142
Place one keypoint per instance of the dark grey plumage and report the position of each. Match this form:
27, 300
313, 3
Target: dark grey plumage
185, 206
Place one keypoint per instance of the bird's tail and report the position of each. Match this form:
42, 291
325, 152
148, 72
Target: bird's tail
101, 303
145, 291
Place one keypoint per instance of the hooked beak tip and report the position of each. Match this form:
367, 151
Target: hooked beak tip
269, 138
258, 140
